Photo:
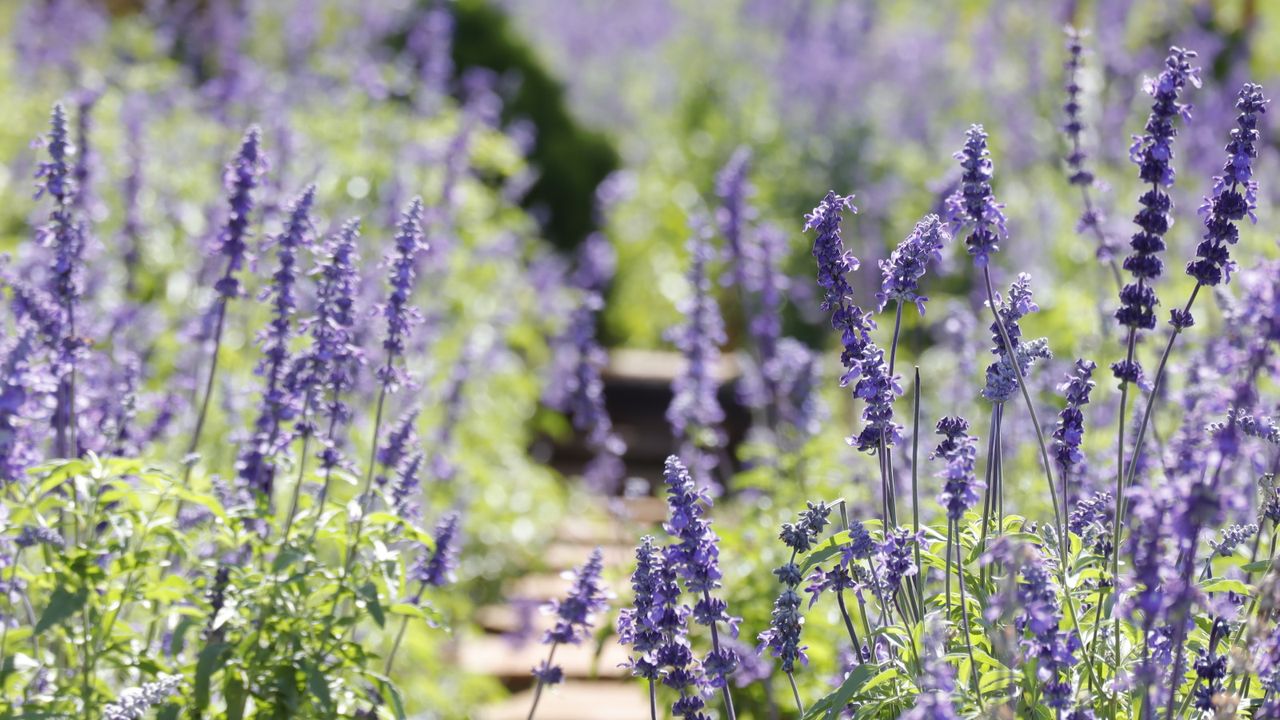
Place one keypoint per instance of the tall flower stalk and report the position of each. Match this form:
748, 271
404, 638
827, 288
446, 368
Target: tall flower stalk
241, 179
64, 234
400, 316
575, 616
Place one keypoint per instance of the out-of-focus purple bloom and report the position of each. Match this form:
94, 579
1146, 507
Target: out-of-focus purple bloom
280, 402
904, 268
133, 704
399, 313
1040, 617
937, 679
241, 178
695, 413
1069, 434
65, 235
405, 488
19, 388
437, 568
1235, 195
1153, 153
959, 451
972, 206
398, 445
1074, 124
31, 535
330, 364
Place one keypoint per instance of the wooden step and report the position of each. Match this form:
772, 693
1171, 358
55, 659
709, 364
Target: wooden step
495, 656
565, 556
576, 701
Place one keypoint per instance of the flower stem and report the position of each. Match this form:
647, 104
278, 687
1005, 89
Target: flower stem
537, 691
795, 692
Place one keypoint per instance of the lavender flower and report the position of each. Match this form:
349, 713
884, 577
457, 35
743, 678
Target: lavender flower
972, 205
399, 314
640, 625
31, 535
695, 414
1002, 378
696, 559
437, 568
1153, 153
1233, 536
241, 179
937, 679
64, 233
1234, 196
904, 268
134, 703
896, 560
330, 364
959, 451
581, 394
406, 486
1069, 434
280, 401
575, 613
783, 636
1074, 125
1052, 649
398, 444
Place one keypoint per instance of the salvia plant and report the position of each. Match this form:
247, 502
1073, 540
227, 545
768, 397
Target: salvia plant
269, 519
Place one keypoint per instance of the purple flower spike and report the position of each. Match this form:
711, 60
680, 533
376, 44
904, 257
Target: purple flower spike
1069, 434
1152, 152
399, 314
904, 268
1235, 195
575, 614
959, 451
437, 568
972, 206
281, 401
241, 179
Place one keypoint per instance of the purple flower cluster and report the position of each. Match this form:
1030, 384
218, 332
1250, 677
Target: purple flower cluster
907, 264
1074, 125
399, 314
327, 370
1069, 434
959, 451
937, 679
437, 568
281, 402
241, 178
783, 636
895, 558
575, 614
695, 414
1153, 153
1234, 196
1002, 378
973, 206
1040, 617
863, 360
695, 558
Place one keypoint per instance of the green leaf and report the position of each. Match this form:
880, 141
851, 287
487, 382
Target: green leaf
831, 706
369, 592
823, 552
1227, 585
210, 660
319, 686
62, 605
1257, 567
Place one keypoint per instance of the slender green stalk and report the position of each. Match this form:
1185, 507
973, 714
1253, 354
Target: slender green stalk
1044, 455
915, 486
964, 619
715, 645
795, 692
